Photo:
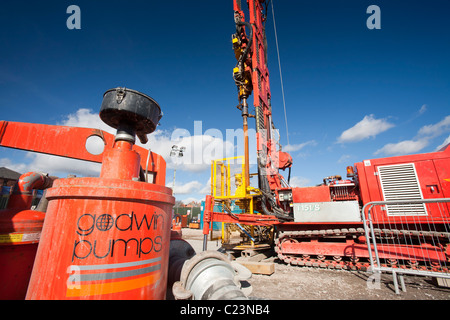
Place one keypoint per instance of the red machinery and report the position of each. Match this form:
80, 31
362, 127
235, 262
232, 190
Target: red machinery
20, 230
328, 229
252, 74
322, 225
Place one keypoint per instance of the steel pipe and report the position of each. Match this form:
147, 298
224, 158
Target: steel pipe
209, 275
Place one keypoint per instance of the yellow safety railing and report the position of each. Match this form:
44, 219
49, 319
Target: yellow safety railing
228, 182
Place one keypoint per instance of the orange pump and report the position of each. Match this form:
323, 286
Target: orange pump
108, 237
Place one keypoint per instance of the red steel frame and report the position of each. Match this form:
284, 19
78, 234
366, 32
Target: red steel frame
70, 142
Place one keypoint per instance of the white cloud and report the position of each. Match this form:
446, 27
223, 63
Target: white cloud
403, 147
206, 188
18, 167
190, 199
200, 150
297, 182
423, 109
296, 147
437, 129
85, 118
446, 142
344, 158
59, 165
422, 139
159, 142
366, 128
187, 188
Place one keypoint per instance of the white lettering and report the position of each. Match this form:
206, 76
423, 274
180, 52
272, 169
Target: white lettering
374, 21
74, 21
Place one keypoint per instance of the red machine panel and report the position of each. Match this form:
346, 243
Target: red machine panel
311, 194
443, 171
411, 177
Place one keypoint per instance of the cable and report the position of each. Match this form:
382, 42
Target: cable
281, 75
243, 56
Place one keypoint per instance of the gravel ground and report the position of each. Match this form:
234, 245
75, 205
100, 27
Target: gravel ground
306, 283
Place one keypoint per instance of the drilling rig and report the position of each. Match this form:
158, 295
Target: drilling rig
323, 225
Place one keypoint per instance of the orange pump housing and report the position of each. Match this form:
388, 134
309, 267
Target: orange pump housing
105, 238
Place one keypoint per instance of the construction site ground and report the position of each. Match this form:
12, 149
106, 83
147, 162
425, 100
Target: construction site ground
309, 283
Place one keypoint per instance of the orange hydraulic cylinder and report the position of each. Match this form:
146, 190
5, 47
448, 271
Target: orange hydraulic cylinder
105, 238
207, 214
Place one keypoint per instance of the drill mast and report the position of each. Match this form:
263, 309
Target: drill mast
251, 74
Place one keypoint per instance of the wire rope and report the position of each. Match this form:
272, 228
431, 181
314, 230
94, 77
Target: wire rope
281, 74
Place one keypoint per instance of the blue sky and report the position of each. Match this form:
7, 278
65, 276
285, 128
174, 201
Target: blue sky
351, 93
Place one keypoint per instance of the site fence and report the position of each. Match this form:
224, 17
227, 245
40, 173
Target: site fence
408, 237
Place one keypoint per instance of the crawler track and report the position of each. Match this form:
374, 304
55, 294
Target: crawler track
347, 249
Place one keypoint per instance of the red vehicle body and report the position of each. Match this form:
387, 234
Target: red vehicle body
328, 228
410, 177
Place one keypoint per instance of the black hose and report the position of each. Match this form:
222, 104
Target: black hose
289, 176
280, 216
249, 44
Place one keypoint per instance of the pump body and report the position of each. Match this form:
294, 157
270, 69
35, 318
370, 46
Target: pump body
103, 239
